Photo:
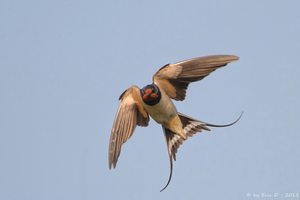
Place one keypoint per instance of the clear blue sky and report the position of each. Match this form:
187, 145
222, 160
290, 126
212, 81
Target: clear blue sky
63, 65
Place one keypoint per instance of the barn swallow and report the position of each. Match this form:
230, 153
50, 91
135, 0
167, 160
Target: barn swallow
169, 82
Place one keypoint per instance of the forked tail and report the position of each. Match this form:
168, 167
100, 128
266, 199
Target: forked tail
190, 127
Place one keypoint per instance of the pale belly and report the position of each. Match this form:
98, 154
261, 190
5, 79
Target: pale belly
163, 111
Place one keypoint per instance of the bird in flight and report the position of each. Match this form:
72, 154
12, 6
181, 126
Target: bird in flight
169, 82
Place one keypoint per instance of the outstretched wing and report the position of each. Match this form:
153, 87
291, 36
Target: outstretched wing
174, 79
130, 113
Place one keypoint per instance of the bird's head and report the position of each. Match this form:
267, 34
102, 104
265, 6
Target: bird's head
150, 94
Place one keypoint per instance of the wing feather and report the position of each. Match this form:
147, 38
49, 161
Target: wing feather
130, 114
174, 79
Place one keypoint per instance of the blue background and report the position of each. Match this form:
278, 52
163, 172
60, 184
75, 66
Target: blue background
63, 65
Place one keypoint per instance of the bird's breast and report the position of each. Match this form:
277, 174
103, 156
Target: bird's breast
163, 111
